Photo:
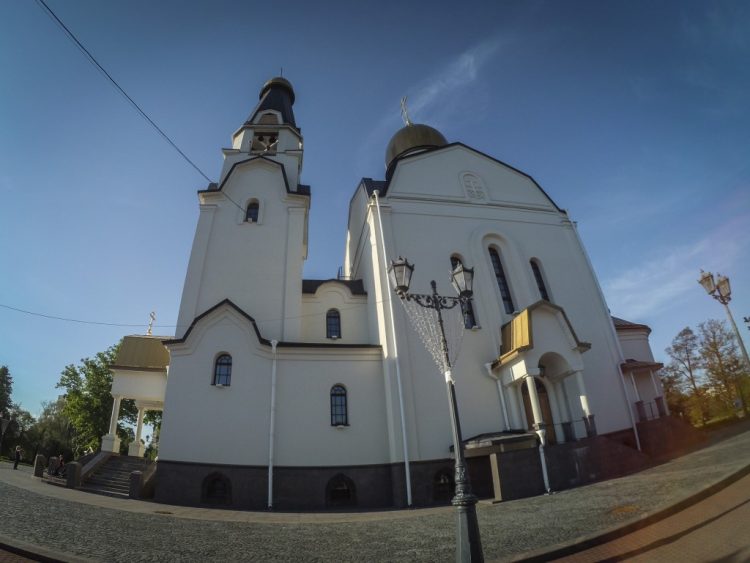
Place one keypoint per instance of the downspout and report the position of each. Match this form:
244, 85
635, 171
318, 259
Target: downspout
614, 335
407, 470
500, 391
271, 424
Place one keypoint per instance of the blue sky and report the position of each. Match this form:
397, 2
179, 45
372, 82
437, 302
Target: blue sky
633, 116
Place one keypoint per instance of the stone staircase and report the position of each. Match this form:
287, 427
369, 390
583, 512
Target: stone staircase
113, 477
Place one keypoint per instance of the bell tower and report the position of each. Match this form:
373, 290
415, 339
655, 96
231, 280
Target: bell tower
251, 238
270, 130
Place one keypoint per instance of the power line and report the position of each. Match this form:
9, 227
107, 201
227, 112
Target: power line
93, 61
67, 319
131, 325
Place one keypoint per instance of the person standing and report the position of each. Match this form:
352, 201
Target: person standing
18, 457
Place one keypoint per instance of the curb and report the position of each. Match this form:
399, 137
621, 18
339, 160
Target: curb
38, 553
583, 543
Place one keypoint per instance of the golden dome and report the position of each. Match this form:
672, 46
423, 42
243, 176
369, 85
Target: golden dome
410, 139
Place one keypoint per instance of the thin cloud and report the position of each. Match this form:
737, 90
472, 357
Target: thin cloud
657, 283
428, 97
435, 98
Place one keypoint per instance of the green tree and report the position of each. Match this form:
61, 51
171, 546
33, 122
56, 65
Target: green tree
53, 432
677, 399
6, 390
88, 401
685, 369
19, 432
16, 432
724, 367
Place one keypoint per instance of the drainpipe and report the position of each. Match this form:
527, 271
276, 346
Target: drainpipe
271, 423
500, 392
407, 470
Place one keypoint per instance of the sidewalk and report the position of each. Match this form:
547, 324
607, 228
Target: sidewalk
73, 524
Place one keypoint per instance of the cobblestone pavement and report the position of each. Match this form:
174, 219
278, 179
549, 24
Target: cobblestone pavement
101, 528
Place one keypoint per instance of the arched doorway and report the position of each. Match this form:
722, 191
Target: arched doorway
443, 487
546, 408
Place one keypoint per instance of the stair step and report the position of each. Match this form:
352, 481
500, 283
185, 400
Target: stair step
113, 478
105, 492
96, 479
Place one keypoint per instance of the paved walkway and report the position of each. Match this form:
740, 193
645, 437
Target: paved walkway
714, 529
76, 525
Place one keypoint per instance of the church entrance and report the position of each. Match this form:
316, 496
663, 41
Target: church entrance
545, 406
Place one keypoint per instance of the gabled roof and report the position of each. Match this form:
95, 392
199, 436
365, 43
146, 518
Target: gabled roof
517, 335
302, 189
635, 365
228, 303
622, 324
355, 286
383, 185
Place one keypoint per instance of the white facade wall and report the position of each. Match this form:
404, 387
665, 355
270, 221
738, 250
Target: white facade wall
428, 217
634, 345
230, 425
258, 266
352, 311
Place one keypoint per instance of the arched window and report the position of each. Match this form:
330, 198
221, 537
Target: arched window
467, 309
339, 415
253, 211
333, 324
539, 280
223, 370
340, 492
502, 281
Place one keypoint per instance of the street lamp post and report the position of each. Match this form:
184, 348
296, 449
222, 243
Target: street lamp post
722, 292
468, 542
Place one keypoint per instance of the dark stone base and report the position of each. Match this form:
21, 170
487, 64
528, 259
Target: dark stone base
384, 486
668, 437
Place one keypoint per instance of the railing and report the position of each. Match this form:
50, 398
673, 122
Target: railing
572, 430
650, 410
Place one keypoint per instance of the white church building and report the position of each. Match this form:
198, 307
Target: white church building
291, 393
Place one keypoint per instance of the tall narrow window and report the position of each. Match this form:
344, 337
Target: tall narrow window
339, 415
467, 308
253, 210
502, 281
223, 370
539, 280
333, 324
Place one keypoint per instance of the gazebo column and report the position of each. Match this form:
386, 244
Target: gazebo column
536, 408
588, 417
639, 406
110, 441
136, 448
661, 404
557, 413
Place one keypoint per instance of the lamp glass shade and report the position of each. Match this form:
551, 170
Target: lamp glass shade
462, 279
400, 273
707, 281
722, 284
